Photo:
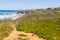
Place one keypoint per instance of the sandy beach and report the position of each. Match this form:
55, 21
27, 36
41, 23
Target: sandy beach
17, 16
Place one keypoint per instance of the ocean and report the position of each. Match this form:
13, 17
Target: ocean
7, 14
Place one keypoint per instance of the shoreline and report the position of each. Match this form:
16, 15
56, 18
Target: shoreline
16, 17
13, 16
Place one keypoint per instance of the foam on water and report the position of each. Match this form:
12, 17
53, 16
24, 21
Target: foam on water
7, 15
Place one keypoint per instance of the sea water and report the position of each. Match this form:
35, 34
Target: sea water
7, 14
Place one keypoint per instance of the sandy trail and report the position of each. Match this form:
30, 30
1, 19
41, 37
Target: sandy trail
14, 35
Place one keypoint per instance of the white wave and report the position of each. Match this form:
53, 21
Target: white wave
8, 16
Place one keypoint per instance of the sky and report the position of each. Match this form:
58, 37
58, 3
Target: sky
28, 4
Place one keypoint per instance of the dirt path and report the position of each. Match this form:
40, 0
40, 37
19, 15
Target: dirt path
15, 34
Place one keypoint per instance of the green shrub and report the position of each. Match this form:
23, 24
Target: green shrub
43, 26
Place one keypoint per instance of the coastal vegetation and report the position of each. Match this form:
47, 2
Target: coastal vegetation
5, 29
43, 22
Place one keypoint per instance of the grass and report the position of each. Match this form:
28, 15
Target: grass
44, 24
5, 29
22, 35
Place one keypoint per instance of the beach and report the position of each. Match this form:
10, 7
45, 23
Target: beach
11, 16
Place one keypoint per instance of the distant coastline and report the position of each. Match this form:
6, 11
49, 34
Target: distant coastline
9, 14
